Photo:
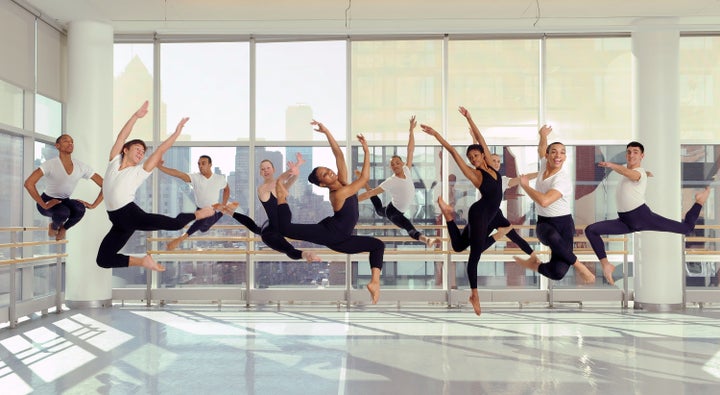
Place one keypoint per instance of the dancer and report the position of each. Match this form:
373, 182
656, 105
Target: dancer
402, 190
63, 174
476, 233
336, 232
499, 221
206, 185
270, 232
555, 226
124, 175
634, 214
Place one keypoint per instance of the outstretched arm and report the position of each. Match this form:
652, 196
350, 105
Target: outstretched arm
125, 131
475, 133
155, 158
516, 180
467, 170
337, 152
632, 174
544, 131
411, 142
173, 172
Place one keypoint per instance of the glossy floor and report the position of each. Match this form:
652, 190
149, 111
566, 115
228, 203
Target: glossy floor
378, 350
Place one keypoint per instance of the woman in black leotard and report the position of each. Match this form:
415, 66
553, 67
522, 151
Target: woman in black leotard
336, 232
270, 232
476, 234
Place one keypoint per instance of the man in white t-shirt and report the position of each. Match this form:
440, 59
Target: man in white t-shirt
63, 174
634, 215
555, 226
401, 187
206, 186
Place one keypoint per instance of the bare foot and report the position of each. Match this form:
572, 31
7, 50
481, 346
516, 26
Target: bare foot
430, 242
61, 233
533, 263
204, 212
229, 209
52, 232
310, 256
701, 197
475, 302
374, 289
175, 243
446, 209
608, 269
281, 192
149, 263
585, 274
501, 232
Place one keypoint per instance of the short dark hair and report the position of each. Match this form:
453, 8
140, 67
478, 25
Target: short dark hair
396, 156
131, 143
473, 147
635, 144
547, 150
313, 177
57, 140
268, 161
206, 157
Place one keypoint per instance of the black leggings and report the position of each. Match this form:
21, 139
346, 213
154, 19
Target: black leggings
247, 222
325, 233
125, 221
475, 235
500, 222
64, 214
395, 216
272, 237
204, 224
557, 233
637, 220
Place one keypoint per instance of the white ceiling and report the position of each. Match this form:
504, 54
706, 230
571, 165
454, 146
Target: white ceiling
381, 16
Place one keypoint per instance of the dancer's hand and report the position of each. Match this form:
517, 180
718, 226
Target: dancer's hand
413, 123
143, 110
464, 112
320, 127
362, 141
429, 130
545, 130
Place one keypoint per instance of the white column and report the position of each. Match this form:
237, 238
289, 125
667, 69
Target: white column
658, 256
89, 122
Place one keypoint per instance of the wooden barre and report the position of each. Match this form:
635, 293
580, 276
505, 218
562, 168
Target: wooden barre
35, 258
32, 243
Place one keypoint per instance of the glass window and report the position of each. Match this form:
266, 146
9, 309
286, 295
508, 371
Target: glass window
48, 116
11, 105
208, 82
589, 88
392, 80
132, 85
298, 82
498, 81
699, 66
11, 194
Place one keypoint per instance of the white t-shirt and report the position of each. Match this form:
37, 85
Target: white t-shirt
206, 189
560, 182
631, 194
59, 183
119, 186
402, 190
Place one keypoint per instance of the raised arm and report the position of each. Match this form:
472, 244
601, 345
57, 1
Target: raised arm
411, 142
173, 172
624, 171
155, 158
355, 186
475, 133
544, 131
125, 131
290, 175
468, 171
342, 172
